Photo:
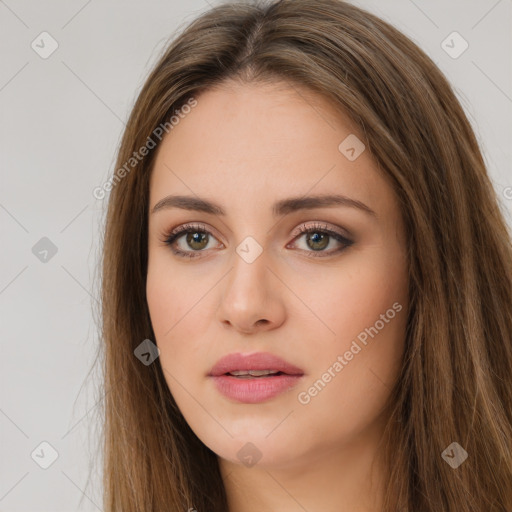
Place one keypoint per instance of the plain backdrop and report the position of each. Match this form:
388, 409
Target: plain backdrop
60, 125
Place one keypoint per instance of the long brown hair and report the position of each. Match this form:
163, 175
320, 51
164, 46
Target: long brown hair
456, 380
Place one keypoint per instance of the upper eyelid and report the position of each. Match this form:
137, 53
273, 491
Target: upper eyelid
298, 231
320, 226
189, 226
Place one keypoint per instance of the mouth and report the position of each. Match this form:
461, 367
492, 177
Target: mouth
255, 374
256, 365
254, 378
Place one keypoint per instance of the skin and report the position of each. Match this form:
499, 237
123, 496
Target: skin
245, 147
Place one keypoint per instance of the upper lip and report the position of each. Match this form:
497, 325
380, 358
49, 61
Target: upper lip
256, 361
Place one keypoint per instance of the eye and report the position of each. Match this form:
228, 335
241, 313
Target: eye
197, 238
318, 237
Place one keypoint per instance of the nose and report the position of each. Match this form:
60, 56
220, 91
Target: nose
252, 298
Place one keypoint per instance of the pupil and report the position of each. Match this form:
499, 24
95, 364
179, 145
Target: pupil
318, 238
196, 238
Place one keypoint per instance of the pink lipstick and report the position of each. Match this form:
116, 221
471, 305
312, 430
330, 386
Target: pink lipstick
254, 378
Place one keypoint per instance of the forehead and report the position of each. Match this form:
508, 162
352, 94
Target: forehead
245, 142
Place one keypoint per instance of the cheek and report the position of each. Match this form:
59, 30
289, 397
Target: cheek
364, 306
161, 293
344, 301
178, 306
367, 308
171, 293
345, 395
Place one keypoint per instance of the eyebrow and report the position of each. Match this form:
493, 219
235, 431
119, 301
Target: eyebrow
280, 208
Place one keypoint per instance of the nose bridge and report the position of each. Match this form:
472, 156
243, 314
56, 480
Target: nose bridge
250, 261
249, 298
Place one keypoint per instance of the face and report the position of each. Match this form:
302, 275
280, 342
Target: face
321, 285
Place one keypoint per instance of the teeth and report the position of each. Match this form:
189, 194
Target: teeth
254, 373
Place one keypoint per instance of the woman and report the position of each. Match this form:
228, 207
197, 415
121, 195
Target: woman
307, 279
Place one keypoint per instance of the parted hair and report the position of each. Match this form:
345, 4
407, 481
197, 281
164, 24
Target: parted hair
455, 383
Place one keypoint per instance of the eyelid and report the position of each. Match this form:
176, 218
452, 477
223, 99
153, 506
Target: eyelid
299, 230
169, 238
188, 225
332, 232
321, 226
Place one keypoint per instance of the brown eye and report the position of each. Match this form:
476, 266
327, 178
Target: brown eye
318, 237
196, 240
317, 240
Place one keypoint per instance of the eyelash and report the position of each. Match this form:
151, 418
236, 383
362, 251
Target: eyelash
172, 237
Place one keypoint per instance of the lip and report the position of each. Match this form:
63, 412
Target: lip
255, 361
257, 389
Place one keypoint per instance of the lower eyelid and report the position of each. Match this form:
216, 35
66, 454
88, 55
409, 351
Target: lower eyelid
172, 239
345, 242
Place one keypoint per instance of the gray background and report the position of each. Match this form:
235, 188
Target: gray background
61, 122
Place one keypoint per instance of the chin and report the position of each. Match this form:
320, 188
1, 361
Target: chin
254, 447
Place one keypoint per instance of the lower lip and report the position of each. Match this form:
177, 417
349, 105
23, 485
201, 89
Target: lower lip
255, 390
